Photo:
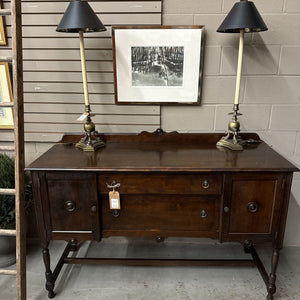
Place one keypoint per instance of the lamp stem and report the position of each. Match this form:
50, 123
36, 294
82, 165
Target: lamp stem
239, 68
83, 69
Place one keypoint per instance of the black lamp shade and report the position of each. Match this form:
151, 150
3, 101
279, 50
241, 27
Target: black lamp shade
80, 16
243, 15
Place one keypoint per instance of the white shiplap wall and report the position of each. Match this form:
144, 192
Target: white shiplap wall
53, 91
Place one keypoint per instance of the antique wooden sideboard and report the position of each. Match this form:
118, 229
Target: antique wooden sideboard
170, 185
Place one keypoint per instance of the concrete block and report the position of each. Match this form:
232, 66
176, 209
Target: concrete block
261, 5
254, 117
283, 29
290, 58
212, 37
285, 117
178, 19
275, 140
188, 118
191, 6
257, 59
212, 57
220, 89
292, 6
297, 147
271, 89
292, 231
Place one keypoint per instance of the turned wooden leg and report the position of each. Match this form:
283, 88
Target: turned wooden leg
247, 246
49, 282
73, 245
272, 277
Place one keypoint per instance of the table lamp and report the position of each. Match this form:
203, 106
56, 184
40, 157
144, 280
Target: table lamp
242, 18
80, 17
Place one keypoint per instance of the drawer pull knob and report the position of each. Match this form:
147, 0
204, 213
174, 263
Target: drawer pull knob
93, 208
205, 184
226, 209
70, 206
203, 214
252, 207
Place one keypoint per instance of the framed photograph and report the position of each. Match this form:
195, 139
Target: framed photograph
158, 65
6, 113
2, 32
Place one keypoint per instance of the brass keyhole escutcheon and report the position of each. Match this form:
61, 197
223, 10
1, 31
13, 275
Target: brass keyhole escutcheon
203, 214
70, 206
205, 184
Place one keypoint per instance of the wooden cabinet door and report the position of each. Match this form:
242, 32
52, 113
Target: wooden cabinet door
252, 205
73, 205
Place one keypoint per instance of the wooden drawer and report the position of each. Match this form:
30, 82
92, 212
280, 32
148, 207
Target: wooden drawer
170, 213
149, 183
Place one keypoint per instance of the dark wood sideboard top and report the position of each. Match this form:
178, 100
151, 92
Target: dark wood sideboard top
195, 152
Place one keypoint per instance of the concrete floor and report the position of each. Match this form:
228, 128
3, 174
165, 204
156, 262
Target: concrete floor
157, 283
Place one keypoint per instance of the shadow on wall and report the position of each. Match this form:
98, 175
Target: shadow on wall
292, 231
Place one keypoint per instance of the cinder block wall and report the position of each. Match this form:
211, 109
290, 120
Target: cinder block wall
270, 84
270, 87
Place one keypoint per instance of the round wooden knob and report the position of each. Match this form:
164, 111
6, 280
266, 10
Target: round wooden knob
70, 206
252, 207
205, 184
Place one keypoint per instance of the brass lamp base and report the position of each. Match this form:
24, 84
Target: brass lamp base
90, 142
229, 143
234, 143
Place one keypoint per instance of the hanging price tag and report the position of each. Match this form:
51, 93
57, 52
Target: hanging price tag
83, 117
114, 200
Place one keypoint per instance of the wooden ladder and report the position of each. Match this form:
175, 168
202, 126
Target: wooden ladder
18, 106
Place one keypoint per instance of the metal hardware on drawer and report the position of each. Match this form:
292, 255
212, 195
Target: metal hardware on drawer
116, 213
252, 207
70, 206
113, 185
226, 209
203, 214
94, 208
205, 184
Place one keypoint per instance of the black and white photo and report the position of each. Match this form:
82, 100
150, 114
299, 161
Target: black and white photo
158, 65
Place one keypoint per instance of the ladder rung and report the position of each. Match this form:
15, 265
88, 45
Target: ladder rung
6, 104
5, 58
8, 232
7, 191
7, 148
5, 12
8, 272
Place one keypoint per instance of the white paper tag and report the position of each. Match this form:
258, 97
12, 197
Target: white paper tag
82, 117
115, 203
114, 200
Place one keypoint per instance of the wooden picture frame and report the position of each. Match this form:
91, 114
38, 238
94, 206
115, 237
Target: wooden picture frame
158, 64
6, 113
2, 32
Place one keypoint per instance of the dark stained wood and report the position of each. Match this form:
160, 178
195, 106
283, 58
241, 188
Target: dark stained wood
171, 185
162, 262
159, 183
161, 213
262, 191
167, 152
